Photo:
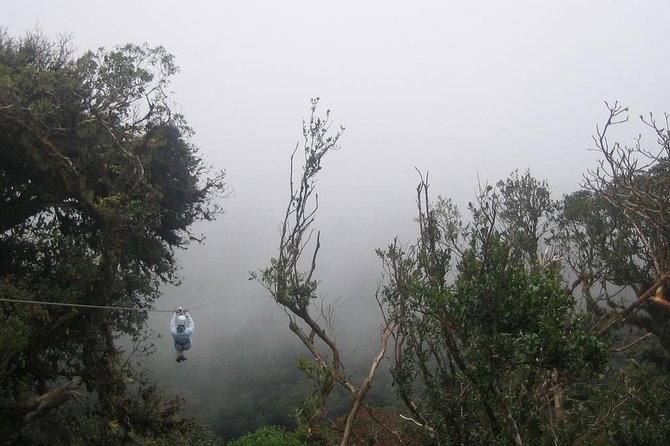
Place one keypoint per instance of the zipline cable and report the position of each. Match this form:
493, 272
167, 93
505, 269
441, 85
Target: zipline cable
204, 305
63, 304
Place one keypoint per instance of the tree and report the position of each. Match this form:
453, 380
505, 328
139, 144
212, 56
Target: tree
292, 284
487, 343
99, 187
617, 236
526, 212
635, 182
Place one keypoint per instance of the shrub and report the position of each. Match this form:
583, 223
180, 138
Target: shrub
271, 436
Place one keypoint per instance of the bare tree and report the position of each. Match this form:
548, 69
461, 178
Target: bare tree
635, 180
291, 282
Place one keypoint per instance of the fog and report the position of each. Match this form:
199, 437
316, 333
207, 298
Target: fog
467, 91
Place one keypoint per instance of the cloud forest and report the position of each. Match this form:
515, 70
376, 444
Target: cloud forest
520, 319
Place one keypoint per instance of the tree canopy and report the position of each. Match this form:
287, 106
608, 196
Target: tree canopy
99, 186
529, 321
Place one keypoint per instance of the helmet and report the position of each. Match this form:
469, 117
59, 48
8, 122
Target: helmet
181, 320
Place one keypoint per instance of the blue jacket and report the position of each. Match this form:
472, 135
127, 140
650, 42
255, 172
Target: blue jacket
184, 337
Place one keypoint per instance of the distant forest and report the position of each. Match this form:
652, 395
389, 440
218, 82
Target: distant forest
520, 320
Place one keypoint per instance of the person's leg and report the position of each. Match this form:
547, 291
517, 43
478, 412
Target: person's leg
183, 348
180, 353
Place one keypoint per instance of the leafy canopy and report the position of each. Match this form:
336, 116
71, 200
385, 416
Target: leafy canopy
99, 185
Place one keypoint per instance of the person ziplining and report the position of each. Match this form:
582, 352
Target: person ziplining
182, 325
181, 328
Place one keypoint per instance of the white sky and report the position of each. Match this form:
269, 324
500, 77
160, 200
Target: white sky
461, 89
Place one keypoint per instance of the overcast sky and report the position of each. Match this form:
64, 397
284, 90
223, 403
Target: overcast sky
464, 90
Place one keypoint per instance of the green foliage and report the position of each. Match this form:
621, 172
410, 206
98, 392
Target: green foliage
599, 245
99, 186
526, 212
156, 422
497, 320
643, 418
478, 354
271, 436
499, 342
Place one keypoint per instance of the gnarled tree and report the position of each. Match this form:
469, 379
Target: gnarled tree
99, 186
291, 281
